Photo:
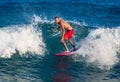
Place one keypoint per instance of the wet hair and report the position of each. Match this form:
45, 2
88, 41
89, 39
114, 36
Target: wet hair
56, 17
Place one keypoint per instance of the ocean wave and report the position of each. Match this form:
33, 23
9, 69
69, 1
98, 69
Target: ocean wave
99, 45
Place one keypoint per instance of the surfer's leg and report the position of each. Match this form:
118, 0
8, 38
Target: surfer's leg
71, 42
65, 46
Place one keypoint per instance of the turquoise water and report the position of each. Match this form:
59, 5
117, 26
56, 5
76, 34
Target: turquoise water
28, 43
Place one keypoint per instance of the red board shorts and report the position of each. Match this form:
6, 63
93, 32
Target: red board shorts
68, 34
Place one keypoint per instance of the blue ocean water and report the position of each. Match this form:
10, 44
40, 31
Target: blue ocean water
28, 42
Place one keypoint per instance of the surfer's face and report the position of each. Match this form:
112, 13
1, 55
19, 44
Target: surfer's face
57, 20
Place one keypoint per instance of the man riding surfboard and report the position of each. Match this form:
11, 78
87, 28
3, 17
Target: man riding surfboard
67, 33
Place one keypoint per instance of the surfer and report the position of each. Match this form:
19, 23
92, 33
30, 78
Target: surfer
67, 32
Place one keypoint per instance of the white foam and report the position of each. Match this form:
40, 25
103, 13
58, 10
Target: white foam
39, 19
101, 46
22, 38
